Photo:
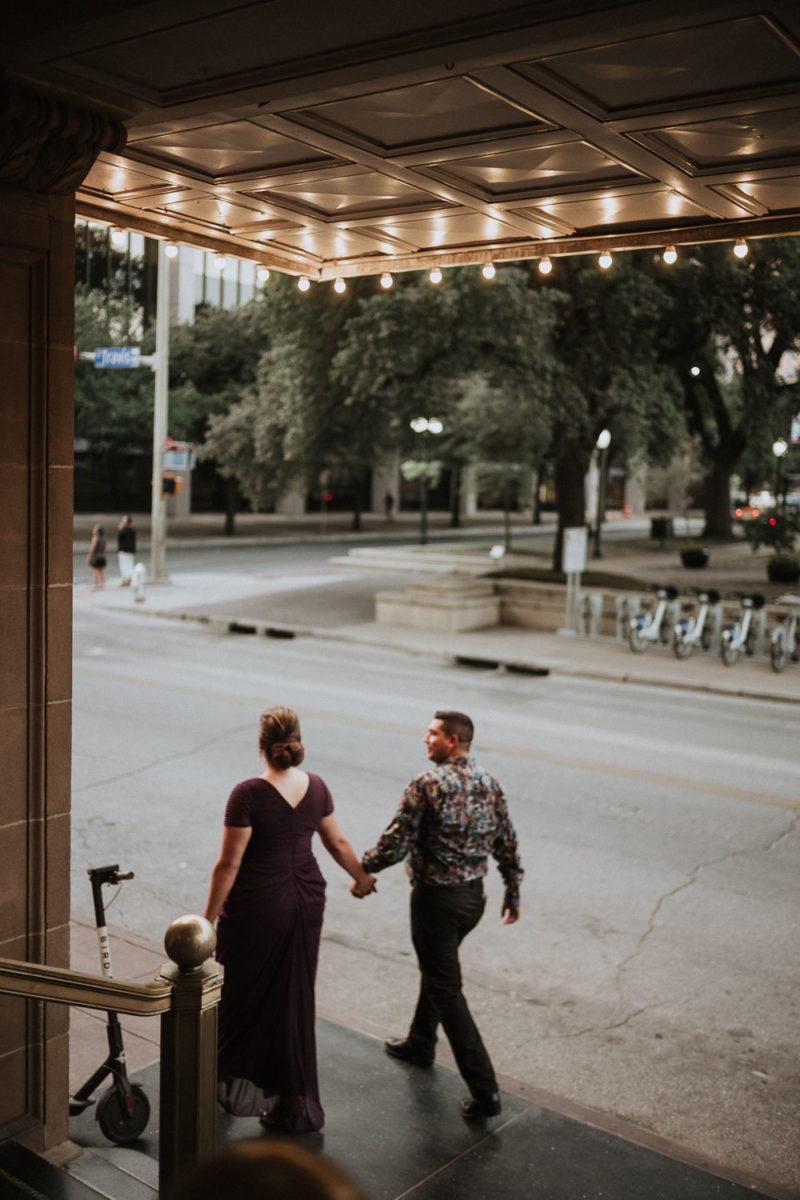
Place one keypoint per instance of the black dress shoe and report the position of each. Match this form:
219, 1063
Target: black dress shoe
408, 1051
477, 1108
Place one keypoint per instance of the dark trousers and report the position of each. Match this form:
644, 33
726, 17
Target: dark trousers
441, 917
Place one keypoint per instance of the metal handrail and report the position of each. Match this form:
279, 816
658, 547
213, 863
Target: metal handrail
31, 981
186, 997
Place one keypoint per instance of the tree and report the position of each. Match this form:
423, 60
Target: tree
729, 325
608, 375
424, 351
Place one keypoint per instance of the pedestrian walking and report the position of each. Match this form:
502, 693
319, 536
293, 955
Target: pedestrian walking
96, 558
126, 550
451, 818
269, 895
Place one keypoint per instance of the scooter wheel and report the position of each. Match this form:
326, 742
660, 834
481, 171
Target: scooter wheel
117, 1124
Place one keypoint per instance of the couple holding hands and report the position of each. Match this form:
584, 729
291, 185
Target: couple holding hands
267, 896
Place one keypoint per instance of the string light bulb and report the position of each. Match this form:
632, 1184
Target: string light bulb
339, 286
545, 266
740, 249
171, 250
304, 283
118, 237
488, 271
670, 255
435, 275
262, 274
605, 260
386, 280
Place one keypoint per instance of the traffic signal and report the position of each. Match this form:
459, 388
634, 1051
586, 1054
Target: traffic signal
171, 485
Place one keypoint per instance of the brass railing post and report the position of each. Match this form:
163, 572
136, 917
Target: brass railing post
188, 1092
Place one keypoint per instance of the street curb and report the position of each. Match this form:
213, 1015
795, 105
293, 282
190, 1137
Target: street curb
254, 627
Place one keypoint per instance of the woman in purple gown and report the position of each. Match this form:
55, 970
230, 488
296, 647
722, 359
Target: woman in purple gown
268, 896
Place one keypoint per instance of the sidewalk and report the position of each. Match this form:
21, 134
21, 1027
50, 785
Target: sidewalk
397, 1129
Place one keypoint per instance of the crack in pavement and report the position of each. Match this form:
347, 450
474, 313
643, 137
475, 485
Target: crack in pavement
625, 964
158, 762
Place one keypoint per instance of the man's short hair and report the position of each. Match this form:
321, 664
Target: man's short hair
457, 723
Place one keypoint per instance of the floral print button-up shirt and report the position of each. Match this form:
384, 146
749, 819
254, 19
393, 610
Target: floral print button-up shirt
450, 820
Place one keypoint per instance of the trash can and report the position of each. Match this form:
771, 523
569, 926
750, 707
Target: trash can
661, 528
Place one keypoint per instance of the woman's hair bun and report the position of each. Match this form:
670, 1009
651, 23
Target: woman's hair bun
279, 738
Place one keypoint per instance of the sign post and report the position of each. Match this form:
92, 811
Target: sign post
158, 509
573, 562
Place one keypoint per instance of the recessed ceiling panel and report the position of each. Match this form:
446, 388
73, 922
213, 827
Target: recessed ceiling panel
727, 56
535, 170
426, 114
460, 229
352, 196
330, 243
777, 195
211, 210
770, 135
625, 209
234, 148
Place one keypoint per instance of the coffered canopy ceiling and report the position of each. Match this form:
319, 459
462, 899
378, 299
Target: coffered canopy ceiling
326, 142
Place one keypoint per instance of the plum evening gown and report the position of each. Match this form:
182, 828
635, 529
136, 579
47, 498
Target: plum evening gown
268, 941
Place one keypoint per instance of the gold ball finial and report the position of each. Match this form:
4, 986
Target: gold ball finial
189, 941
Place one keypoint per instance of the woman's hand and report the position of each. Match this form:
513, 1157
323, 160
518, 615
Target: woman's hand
363, 887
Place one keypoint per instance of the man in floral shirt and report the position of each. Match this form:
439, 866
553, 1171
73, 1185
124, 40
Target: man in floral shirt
452, 817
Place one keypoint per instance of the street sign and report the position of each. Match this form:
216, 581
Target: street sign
118, 356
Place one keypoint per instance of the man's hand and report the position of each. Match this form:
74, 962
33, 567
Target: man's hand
510, 912
364, 889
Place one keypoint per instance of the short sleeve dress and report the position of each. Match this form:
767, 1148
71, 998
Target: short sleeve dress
268, 936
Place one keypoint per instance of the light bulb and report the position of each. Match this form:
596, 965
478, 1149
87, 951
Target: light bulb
740, 249
262, 274
435, 275
694, 371
435, 425
339, 286
488, 271
670, 255
386, 280
545, 266
118, 238
304, 283
605, 260
171, 250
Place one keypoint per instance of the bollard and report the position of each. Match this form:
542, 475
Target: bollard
627, 608
138, 581
760, 630
188, 1088
590, 613
715, 617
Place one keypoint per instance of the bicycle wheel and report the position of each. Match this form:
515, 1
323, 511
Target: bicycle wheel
681, 647
777, 654
638, 642
729, 651
117, 1124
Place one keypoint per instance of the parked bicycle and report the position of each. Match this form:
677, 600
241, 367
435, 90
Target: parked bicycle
654, 624
695, 629
783, 643
739, 635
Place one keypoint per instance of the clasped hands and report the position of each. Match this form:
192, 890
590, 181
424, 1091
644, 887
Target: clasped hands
360, 890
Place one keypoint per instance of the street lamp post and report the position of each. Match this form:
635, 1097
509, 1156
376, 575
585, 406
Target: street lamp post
602, 443
425, 426
779, 448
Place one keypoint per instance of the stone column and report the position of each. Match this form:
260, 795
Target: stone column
46, 148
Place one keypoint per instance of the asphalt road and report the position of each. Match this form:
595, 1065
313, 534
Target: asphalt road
655, 971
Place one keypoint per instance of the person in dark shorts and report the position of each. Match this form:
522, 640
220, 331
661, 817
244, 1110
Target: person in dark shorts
96, 558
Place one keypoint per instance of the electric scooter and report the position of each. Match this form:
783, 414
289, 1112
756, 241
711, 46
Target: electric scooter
123, 1110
